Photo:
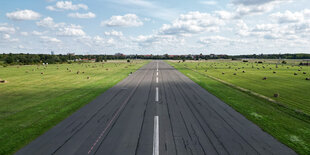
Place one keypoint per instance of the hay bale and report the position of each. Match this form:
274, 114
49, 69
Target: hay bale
265, 78
42, 73
235, 73
3, 81
307, 79
299, 70
295, 73
83, 72
243, 71
88, 77
274, 72
223, 73
276, 95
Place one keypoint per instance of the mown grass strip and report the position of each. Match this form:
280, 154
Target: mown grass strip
270, 117
32, 103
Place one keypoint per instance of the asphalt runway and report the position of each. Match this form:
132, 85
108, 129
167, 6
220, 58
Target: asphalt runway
156, 111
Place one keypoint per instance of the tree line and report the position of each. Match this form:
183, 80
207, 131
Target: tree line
27, 59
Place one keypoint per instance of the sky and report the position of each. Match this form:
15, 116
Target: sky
175, 27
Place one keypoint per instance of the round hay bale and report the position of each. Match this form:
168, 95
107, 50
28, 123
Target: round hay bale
265, 78
276, 95
3, 81
295, 73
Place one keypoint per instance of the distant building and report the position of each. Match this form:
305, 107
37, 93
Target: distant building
52, 53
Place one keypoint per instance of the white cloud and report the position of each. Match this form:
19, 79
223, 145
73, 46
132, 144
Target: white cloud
191, 23
24, 33
82, 15
128, 20
48, 22
291, 17
114, 33
219, 39
49, 39
208, 2
7, 29
23, 15
66, 5
7, 37
62, 29
71, 30
37, 33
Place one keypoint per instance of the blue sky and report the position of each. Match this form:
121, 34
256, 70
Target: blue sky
155, 27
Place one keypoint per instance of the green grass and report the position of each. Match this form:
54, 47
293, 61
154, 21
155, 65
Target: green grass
289, 127
31, 102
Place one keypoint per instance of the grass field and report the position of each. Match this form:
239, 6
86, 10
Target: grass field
35, 98
283, 122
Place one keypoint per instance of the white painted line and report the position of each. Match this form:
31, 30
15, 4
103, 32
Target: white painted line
156, 96
156, 136
157, 73
156, 79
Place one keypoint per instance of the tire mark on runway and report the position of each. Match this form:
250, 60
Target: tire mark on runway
116, 116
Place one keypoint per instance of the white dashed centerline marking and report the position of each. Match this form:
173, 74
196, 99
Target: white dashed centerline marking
156, 136
156, 96
156, 79
157, 73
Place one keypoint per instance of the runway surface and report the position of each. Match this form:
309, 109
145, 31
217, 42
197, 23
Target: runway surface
156, 111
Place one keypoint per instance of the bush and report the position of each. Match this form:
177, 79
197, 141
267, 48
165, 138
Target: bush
284, 62
128, 60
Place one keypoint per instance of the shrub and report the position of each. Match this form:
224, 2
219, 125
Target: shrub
128, 60
284, 62
265, 78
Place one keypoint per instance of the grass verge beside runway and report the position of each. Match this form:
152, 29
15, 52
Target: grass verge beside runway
36, 98
286, 125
